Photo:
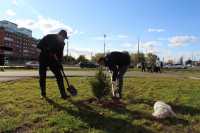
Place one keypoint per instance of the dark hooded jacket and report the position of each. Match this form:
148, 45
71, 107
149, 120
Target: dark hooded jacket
115, 60
51, 44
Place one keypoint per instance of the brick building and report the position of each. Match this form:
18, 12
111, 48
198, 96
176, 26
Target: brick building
21, 42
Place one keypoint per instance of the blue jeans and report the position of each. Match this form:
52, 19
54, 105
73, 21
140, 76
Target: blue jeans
121, 71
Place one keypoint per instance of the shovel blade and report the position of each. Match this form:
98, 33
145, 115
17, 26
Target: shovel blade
72, 90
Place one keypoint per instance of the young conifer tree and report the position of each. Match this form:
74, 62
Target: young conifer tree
101, 84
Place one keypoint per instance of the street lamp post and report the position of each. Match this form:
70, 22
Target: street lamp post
104, 44
138, 46
67, 48
138, 50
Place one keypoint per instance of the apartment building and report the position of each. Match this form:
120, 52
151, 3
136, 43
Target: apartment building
16, 44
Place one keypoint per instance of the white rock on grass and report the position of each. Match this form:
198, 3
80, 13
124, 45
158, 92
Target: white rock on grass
162, 110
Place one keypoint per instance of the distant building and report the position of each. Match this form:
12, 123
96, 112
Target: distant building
21, 42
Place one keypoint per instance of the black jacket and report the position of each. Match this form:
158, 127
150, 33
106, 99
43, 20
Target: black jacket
51, 44
115, 60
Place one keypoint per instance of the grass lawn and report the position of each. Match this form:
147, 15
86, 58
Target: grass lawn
22, 110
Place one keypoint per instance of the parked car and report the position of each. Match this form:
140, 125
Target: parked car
139, 65
88, 65
168, 66
176, 66
189, 65
32, 64
180, 66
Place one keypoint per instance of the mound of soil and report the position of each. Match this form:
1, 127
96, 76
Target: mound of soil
105, 103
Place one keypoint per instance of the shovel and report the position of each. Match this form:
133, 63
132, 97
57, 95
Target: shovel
115, 92
72, 90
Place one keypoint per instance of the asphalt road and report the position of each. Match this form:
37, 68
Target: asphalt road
19, 74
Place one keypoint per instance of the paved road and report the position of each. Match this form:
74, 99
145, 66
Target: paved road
18, 74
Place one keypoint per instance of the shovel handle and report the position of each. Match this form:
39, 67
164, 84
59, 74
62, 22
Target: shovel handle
65, 77
63, 73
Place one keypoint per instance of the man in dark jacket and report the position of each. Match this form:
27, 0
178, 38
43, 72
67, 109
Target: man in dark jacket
51, 56
118, 63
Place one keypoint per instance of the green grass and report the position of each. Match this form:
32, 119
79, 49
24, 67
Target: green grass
22, 110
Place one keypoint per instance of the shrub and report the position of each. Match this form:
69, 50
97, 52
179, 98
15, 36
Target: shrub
101, 84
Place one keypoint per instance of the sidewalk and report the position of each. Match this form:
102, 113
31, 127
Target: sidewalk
9, 75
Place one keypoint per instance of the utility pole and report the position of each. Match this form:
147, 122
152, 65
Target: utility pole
67, 48
138, 50
91, 55
163, 59
104, 44
138, 46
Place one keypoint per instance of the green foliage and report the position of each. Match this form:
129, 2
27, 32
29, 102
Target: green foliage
69, 60
151, 58
101, 84
96, 57
189, 61
137, 58
81, 58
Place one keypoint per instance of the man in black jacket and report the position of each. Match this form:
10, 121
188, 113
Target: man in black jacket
118, 63
51, 56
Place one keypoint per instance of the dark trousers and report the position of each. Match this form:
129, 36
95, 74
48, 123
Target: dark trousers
121, 71
46, 61
158, 69
143, 69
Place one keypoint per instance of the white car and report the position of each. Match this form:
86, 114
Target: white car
32, 64
139, 65
167, 66
176, 66
179, 66
189, 65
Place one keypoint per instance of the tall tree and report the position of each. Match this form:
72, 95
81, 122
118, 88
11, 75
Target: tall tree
69, 60
96, 57
181, 60
81, 58
189, 61
151, 58
137, 58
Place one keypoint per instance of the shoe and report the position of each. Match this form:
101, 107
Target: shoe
43, 96
65, 97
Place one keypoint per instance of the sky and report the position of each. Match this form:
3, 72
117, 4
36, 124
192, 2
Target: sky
168, 28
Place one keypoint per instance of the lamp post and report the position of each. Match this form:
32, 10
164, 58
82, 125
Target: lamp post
138, 50
104, 44
67, 50
67, 47
138, 46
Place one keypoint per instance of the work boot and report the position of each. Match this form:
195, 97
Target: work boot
43, 96
64, 97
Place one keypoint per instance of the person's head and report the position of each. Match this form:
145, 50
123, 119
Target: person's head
63, 34
101, 61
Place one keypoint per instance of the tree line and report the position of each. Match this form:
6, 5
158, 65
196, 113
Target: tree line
135, 58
